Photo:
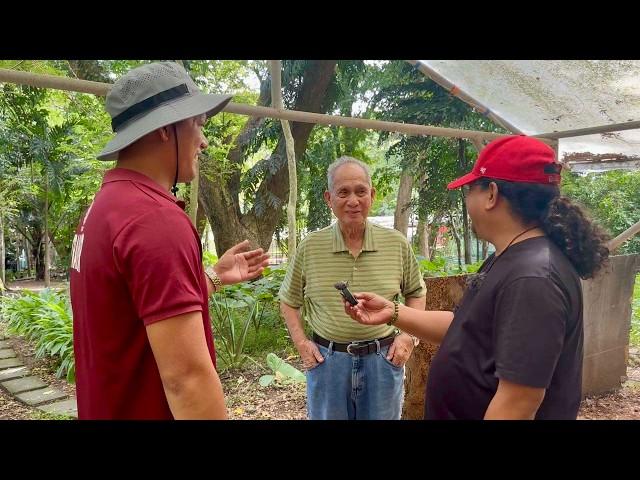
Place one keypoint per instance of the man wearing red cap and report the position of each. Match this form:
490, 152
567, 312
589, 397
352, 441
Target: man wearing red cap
513, 347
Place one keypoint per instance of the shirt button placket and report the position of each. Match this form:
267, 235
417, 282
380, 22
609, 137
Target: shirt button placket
354, 273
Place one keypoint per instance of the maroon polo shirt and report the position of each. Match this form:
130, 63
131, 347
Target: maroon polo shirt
136, 260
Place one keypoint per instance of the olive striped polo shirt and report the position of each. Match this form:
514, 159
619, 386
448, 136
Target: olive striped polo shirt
386, 265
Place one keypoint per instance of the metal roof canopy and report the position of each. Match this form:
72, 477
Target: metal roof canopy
593, 106
551, 99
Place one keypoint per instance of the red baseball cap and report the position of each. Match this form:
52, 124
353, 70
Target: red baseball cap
515, 159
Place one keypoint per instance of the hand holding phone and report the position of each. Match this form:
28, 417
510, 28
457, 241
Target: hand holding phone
346, 294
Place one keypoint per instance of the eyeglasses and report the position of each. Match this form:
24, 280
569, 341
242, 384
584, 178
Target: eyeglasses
467, 188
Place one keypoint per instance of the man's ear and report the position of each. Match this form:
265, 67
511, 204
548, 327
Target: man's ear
327, 198
163, 132
493, 194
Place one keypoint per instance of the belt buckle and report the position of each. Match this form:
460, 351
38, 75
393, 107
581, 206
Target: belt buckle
352, 344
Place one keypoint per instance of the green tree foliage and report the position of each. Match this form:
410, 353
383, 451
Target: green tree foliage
612, 198
48, 142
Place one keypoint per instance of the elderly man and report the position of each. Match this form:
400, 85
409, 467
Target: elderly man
354, 372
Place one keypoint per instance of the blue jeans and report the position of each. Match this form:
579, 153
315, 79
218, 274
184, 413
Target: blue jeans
346, 387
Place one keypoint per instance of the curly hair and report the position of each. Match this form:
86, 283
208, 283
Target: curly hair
565, 223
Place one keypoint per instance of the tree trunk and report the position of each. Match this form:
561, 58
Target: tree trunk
38, 255
485, 249
27, 253
456, 237
466, 234
2, 251
201, 218
205, 241
417, 239
465, 219
47, 259
433, 229
444, 294
423, 238
220, 195
227, 224
403, 203
193, 200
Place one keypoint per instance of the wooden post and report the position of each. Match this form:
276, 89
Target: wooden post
624, 236
402, 212
276, 100
101, 89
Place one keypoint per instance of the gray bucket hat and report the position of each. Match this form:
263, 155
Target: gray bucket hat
153, 96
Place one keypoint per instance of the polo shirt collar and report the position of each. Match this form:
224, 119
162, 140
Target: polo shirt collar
339, 245
124, 174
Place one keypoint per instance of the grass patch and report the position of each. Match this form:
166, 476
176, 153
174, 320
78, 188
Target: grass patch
634, 336
40, 415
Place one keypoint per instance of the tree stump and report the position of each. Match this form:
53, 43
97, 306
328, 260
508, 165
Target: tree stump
443, 293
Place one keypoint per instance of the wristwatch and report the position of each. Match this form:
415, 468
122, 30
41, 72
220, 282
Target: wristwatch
416, 340
215, 279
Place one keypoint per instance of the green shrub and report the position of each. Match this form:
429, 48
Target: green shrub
245, 319
438, 267
44, 318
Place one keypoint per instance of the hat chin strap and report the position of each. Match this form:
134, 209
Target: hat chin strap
174, 189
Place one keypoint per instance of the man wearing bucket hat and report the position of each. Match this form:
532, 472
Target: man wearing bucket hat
142, 337
513, 347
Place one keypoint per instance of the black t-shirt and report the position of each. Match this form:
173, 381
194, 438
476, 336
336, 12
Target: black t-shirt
522, 321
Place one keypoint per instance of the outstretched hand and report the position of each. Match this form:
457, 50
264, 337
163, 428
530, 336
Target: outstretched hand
239, 263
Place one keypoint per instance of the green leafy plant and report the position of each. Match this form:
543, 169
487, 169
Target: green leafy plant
209, 259
231, 325
44, 318
239, 307
438, 267
283, 372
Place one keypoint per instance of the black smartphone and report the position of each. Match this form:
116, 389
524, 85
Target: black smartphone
346, 294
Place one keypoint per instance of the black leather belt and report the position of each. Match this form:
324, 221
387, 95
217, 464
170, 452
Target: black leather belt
355, 348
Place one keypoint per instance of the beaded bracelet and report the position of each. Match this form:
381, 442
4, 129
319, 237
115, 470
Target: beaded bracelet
394, 318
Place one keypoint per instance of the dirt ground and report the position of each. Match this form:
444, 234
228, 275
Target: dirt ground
623, 404
35, 285
247, 400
